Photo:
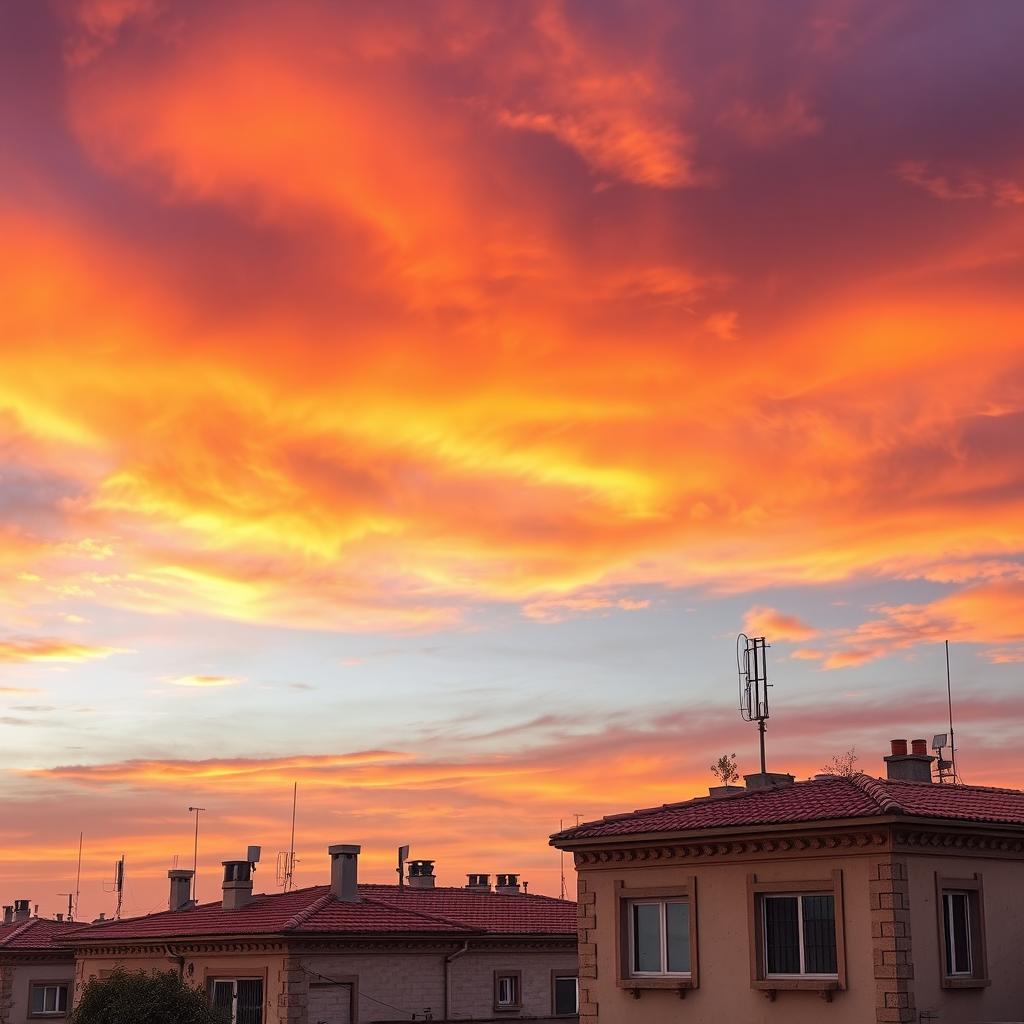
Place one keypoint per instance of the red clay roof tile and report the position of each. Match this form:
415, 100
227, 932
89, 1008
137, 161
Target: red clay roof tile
824, 799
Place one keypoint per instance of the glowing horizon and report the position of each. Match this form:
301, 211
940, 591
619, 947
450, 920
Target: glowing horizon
414, 400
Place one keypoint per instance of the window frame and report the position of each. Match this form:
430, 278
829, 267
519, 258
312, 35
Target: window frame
35, 983
757, 890
625, 898
235, 975
974, 890
517, 978
556, 976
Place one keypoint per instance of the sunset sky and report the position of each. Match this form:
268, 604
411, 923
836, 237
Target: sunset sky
414, 399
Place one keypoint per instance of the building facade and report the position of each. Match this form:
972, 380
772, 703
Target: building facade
347, 952
37, 968
840, 899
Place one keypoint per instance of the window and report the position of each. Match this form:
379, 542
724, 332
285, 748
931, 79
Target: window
508, 990
48, 999
799, 935
659, 937
240, 1000
565, 994
796, 934
961, 932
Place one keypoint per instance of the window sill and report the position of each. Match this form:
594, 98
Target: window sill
636, 986
965, 982
825, 987
509, 1008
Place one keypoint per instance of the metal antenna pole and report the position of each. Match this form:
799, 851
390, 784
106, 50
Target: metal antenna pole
561, 860
195, 852
949, 698
760, 729
78, 878
291, 849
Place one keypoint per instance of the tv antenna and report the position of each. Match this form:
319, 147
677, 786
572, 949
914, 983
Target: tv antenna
946, 767
286, 861
195, 852
118, 886
752, 665
403, 856
78, 877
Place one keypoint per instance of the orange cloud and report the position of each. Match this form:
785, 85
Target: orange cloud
203, 682
24, 649
776, 625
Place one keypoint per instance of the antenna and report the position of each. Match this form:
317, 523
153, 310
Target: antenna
119, 885
949, 699
291, 848
403, 856
70, 896
78, 877
752, 665
561, 861
195, 852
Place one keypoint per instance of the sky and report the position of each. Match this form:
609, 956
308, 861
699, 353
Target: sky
413, 400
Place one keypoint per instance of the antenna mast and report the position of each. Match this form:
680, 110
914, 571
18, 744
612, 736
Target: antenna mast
195, 852
752, 666
119, 885
949, 699
291, 849
78, 877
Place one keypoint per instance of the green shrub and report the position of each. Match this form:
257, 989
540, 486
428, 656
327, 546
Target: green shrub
141, 997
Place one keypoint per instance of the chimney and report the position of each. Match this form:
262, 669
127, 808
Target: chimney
507, 884
913, 767
421, 874
59, 917
180, 897
21, 911
478, 883
9, 914
237, 885
345, 872
768, 780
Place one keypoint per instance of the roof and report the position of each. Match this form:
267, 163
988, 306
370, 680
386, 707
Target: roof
381, 910
35, 934
822, 799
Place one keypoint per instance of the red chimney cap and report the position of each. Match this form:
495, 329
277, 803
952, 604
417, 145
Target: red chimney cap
899, 748
919, 747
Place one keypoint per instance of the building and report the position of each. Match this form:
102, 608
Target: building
36, 969
350, 952
839, 899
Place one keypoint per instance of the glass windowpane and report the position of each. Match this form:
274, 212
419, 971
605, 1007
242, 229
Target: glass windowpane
38, 994
50, 999
819, 934
566, 995
62, 998
781, 934
958, 932
647, 937
677, 934
249, 1009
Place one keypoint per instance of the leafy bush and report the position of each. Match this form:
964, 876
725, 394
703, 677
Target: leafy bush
141, 997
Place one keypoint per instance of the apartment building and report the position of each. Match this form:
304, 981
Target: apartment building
37, 968
353, 953
839, 899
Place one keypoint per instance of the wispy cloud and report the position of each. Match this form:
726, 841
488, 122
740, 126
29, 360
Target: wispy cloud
51, 649
204, 682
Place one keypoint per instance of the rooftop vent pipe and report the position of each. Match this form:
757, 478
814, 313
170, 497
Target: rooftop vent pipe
345, 872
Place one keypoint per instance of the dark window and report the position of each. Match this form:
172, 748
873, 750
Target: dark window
956, 914
506, 991
239, 1000
48, 1000
660, 937
567, 997
799, 934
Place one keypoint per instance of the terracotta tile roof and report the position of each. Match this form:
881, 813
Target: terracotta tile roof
823, 799
382, 910
34, 934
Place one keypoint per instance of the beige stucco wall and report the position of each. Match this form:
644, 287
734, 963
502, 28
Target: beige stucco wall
1003, 882
724, 993
415, 982
20, 978
410, 980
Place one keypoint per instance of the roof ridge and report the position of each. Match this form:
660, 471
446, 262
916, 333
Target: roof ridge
424, 914
302, 916
877, 791
24, 927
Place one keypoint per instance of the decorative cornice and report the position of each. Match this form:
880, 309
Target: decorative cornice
939, 840
741, 848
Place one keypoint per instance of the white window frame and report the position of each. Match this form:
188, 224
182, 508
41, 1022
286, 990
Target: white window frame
799, 897
951, 933
46, 986
513, 981
233, 982
663, 932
